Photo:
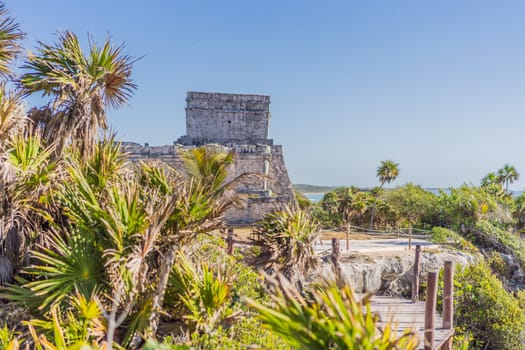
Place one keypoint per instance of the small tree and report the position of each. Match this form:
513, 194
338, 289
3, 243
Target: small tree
387, 172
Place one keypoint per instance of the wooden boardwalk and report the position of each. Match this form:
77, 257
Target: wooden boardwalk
404, 314
408, 315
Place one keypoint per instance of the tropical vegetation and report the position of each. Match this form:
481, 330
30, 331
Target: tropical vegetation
97, 252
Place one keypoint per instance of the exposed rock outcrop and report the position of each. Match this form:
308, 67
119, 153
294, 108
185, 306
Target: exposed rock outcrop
391, 273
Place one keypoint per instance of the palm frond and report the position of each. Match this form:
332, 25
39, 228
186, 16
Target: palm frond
10, 37
287, 239
80, 85
12, 117
70, 265
329, 317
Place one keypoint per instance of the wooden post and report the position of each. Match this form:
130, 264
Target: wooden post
409, 237
448, 301
336, 251
229, 240
347, 237
336, 254
417, 271
448, 295
430, 307
398, 227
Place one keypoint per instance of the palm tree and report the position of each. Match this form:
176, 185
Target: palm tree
81, 87
387, 172
208, 165
10, 37
490, 179
507, 175
201, 201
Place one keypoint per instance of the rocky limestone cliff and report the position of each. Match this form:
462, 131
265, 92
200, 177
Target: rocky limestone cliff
391, 273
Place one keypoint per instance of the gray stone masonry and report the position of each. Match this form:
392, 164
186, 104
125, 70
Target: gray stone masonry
239, 123
226, 118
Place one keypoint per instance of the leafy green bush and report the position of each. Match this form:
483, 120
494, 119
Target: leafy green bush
442, 235
498, 265
484, 309
489, 235
303, 202
413, 203
468, 204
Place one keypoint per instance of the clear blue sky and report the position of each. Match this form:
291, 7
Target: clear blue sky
437, 86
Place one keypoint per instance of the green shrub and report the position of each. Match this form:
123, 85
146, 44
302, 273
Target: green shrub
248, 333
413, 203
489, 235
303, 201
442, 235
487, 311
499, 266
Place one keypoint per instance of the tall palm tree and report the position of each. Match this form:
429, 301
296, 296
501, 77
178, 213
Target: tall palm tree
81, 86
507, 175
201, 201
387, 172
10, 37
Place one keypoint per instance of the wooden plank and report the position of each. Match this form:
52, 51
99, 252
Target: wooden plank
408, 315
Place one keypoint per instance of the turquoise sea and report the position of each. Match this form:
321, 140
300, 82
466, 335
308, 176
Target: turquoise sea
315, 197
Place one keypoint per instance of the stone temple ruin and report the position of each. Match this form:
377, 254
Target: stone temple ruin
240, 123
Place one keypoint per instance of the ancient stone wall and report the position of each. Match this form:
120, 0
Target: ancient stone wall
222, 118
238, 123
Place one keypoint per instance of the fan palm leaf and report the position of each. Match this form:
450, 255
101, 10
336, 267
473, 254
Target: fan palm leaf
71, 264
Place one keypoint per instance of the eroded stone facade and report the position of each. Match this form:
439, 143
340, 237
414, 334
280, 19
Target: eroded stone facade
240, 123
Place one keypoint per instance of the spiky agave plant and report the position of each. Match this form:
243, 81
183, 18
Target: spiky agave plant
287, 239
329, 317
26, 174
205, 293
